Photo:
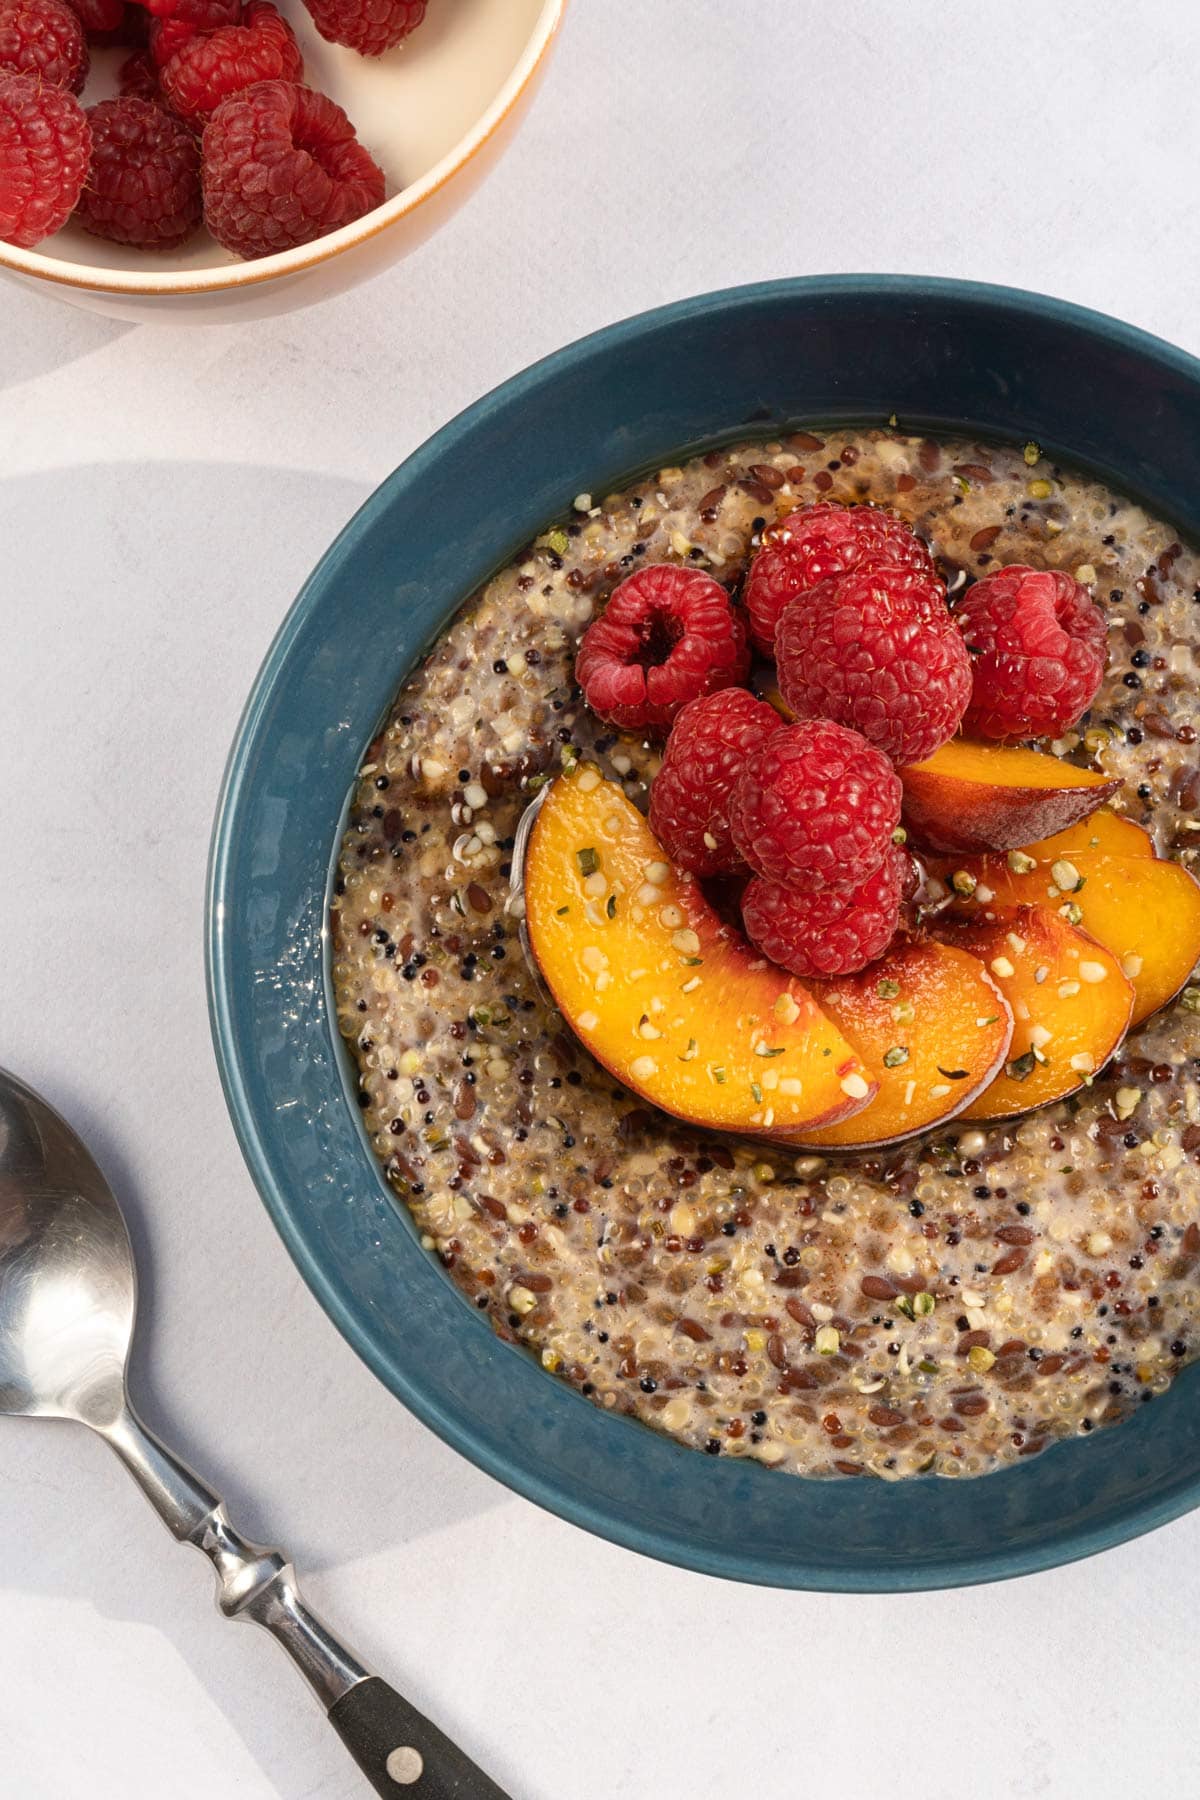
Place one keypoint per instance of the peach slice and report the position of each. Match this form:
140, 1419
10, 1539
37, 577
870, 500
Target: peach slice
1105, 831
933, 1028
675, 1003
980, 797
1146, 911
1071, 1004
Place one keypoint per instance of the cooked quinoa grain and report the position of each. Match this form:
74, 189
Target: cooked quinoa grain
949, 1305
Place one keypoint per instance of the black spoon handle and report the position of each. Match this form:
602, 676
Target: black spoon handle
401, 1754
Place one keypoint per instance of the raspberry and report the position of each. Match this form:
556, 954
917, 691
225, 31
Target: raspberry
168, 36
100, 17
368, 26
137, 78
214, 64
828, 932
667, 635
168, 33
45, 142
171, 31
131, 31
1038, 645
816, 542
143, 186
689, 799
281, 165
201, 15
815, 805
870, 650
43, 38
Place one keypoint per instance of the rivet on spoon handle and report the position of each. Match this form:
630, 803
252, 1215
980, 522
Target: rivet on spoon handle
398, 1749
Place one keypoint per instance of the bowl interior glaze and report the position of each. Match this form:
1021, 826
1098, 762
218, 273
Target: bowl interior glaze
946, 355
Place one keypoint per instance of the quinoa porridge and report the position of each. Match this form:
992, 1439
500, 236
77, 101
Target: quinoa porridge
947, 1304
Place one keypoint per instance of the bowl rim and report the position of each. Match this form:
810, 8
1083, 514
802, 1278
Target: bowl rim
664, 1542
224, 278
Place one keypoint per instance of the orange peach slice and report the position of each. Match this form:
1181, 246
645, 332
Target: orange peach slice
1144, 910
1071, 1004
1105, 831
980, 797
675, 1003
933, 1029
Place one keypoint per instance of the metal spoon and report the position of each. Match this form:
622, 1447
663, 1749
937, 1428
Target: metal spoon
516, 888
67, 1302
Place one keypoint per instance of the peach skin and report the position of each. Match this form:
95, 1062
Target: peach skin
979, 797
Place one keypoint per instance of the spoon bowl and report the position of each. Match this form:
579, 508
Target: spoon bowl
516, 887
68, 1289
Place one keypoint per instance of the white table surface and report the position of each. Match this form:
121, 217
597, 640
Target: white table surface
164, 492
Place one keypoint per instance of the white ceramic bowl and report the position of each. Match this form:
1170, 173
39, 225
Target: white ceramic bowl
436, 113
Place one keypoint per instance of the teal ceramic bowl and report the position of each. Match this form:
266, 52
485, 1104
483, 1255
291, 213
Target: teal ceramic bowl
851, 348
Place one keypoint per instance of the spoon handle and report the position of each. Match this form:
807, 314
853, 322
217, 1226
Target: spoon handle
400, 1752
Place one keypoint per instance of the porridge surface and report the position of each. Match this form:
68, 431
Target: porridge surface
986, 1290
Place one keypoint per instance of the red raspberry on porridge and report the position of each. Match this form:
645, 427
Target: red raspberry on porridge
876, 651
817, 542
815, 805
1038, 644
667, 635
705, 753
830, 931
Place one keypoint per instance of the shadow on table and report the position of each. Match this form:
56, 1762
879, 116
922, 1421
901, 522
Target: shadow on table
374, 1478
42, 333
